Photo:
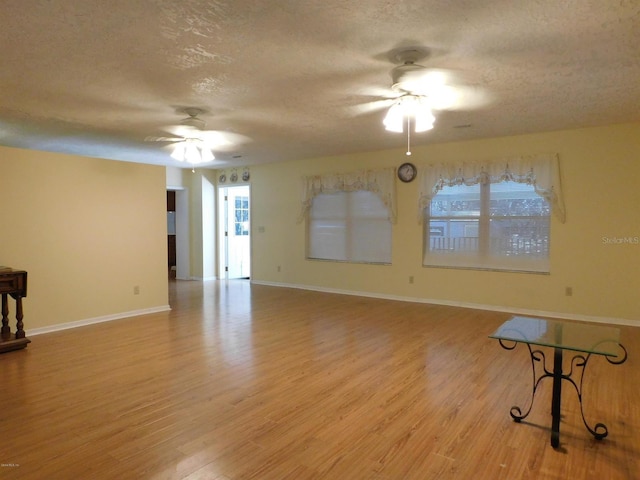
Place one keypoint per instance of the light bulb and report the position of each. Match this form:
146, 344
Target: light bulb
407, 107
394, 119
178, 152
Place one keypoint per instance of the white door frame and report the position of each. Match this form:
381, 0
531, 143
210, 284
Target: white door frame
226, 253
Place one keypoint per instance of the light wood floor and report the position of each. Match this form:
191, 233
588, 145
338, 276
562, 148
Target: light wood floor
245, 381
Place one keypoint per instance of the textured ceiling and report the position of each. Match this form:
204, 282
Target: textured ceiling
96, 77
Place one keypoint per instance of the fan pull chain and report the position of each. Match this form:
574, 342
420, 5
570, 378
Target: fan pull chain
408, 135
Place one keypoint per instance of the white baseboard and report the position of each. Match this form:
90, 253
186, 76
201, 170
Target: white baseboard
451, 303
197, 279
90, 321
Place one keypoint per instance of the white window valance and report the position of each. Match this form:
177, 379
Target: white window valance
542, 171
380, 182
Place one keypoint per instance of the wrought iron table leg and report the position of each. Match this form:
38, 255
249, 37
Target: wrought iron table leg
599, 430
516, 412
556, 397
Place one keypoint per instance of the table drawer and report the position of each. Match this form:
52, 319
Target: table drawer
13, 283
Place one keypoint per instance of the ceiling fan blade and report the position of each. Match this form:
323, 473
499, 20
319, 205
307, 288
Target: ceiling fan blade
369, 107
425, 81
163, 139
219, 139
377, 92
445, 89
181, 130
212, 138
458, 97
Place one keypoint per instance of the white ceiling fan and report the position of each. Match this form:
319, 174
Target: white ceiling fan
194, 145
418, 92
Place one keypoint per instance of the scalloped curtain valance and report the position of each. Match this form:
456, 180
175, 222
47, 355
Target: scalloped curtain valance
381, 182
542, 171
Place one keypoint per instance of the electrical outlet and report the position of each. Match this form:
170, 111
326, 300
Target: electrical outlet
136, 290
278, 268
411, 279
568, 291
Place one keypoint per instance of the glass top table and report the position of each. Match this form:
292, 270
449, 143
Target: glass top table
582, 339
579, 337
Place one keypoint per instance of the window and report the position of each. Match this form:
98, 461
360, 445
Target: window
502, 226
350, 215
350, 227
241, 220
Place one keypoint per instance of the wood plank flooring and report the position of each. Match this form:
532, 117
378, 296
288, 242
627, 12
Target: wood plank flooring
244, 381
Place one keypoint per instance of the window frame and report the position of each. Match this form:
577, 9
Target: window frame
482, 257
241, 225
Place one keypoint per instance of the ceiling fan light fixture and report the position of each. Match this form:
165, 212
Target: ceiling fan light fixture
207, 154
409, 107
424, 120
394, 119
193, 151
178, 151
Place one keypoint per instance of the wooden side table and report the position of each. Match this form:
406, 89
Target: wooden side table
13, 283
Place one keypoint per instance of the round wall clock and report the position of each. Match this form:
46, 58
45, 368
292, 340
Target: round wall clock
407, 172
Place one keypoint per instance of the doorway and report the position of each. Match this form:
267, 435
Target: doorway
235, 231
178, 233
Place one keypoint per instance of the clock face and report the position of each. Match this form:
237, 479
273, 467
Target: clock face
407, 172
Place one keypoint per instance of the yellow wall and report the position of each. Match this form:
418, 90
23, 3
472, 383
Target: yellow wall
87, 231
601, 180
